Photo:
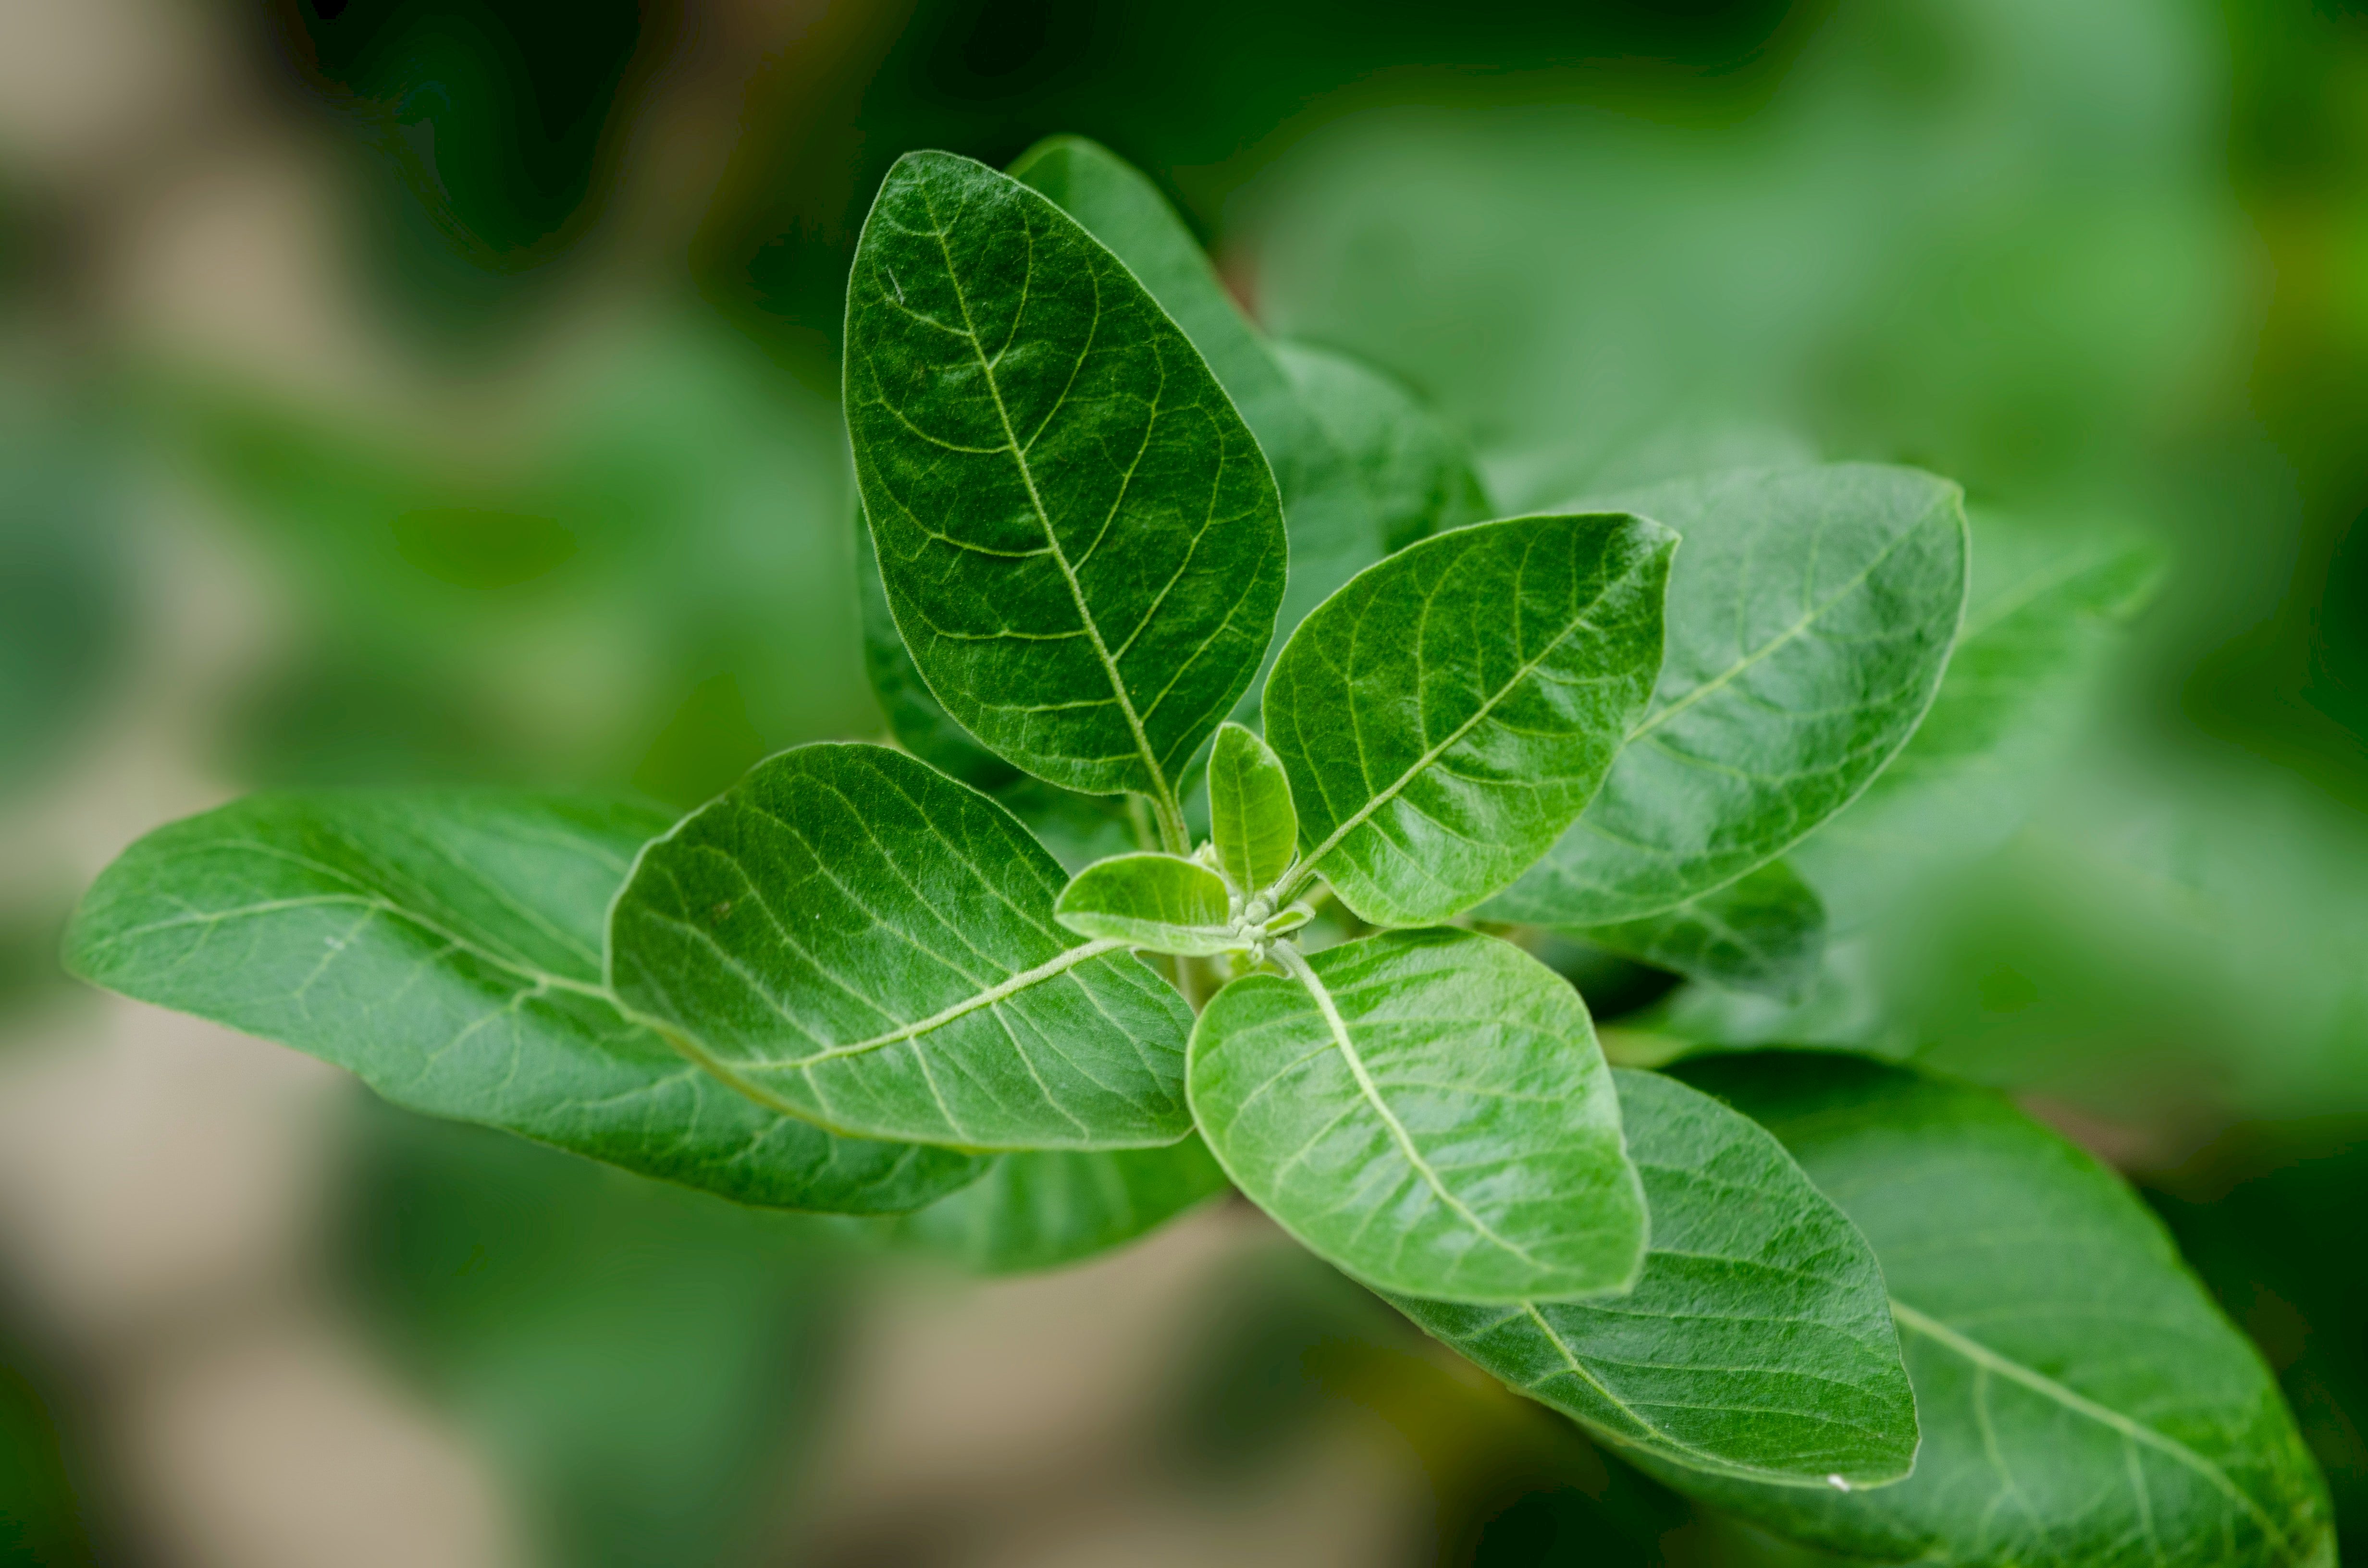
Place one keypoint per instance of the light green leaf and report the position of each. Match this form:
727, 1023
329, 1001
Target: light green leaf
1165, 902
445, 946
855, 938
1810, 614
1335, 530
1428, 1110
1079, 537
1446, 715
2042, 624
1418, 477
1252, 820
1043, 1210
2084, 1403
1758, 1341
1764, 931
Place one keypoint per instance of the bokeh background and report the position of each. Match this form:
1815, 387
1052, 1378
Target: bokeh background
415, 389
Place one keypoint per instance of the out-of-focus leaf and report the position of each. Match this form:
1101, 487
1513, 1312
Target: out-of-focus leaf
1168, 903
2082, 1400
2040, 627
857, 939
1764, 931
62, 610
1428, 1110
1419, 478
1810, 615
445, 946
1053, 1207
1446, 715
1758, 1341
1080, 536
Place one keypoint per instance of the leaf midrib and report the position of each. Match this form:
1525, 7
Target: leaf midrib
1161, 790
1983, 1356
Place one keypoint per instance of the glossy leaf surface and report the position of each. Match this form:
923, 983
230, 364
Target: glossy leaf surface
1078, 536
1418, 478
1043, 1210
2083, 1401
1810, 615
1764, 931
1758, 1343
1165, 902
1327, 503
1446, 715
445, 946
1431, 1115
864, 942
1252, 820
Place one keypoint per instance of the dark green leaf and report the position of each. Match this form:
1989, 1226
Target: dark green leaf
2083, 1402
1252, 820
1418, 477
1810, 614
1042, 1209
1079, 537
915, 716
2042, 626
445, 946
1758, 1341
1165, 902
1446, 715
1428, 1111
1334, 528
1763, 932
860, 940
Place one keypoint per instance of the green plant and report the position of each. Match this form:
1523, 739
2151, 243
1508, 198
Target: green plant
1139, 570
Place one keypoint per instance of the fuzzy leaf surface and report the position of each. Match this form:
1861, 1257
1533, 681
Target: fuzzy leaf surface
1437, 1119
2082, 1399
860, 940
1446, 715
1252, 820
1053, 1207
1764, 931
1079, 537
1418, 478
444, 945
1165, 902
1757, 1343
1810, 616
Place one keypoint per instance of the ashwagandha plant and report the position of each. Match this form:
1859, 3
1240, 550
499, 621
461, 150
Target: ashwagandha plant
1134, 569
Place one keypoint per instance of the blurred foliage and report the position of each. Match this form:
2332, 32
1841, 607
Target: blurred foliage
644, 1363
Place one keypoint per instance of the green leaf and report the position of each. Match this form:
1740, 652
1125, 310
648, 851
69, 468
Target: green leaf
1054, 1207
1428, 1110
855, 938
1252, 820
1764, 931
1078, 536
1446, 715
1418, 477
915, 716
445, 946
1165, 902
1327, 507
1810, 614
2083, 1401
1758, 1341
2042, 624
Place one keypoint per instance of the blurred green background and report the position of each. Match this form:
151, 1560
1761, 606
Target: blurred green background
398, 389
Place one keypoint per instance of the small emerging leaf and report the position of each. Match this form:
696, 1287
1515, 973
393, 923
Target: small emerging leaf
445, 946
1079, 537
1758, 1343
1252, 820
1445, 716
1764, 931
1429, 1111
1165, 902
858, 940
